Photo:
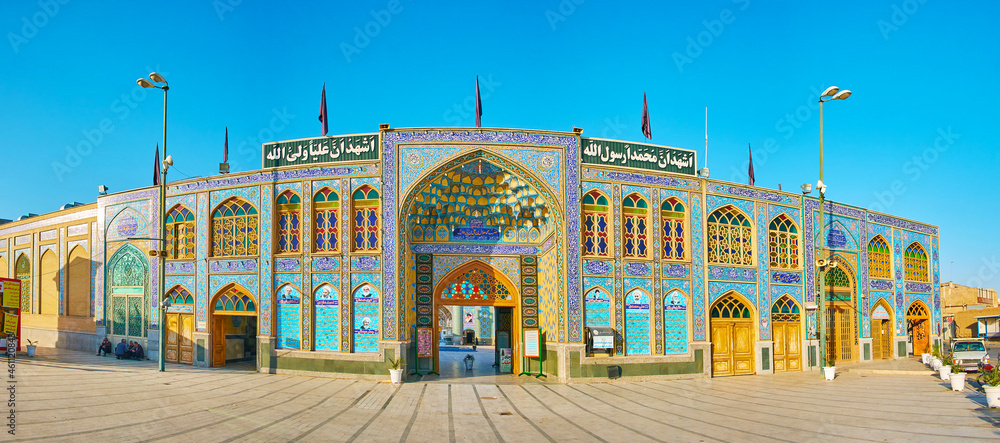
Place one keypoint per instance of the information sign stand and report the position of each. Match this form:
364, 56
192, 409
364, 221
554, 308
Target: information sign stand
10, 314
531, 349
425, 350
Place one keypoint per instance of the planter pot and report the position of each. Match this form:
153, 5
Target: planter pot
926, 358
936, 363
829, 372
396, 375
31, 350
992, 396
958, 381
945, 372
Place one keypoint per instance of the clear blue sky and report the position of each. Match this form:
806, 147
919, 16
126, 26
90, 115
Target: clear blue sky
67, 76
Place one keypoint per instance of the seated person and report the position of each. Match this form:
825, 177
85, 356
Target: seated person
130, 351
138, 354
120, 349
105, 347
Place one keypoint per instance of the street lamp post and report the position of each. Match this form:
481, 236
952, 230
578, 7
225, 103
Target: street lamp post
166, 161
831, 93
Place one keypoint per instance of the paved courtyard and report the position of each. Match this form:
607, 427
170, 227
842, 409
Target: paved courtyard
75, 396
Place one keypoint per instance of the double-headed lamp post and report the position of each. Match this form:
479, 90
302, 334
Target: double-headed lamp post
165, 163
831, 93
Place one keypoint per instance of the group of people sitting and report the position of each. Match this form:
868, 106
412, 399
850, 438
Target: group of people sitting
133, 350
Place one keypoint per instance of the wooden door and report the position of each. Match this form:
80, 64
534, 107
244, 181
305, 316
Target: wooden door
185, 345
921, 339
219, 340
743, 348
722, 349
887, 339
787, 346
171, 352
840, 333
881, 339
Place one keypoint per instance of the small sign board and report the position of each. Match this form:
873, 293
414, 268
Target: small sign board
9, 323
506, 357
11, 290
531, 345
602, 338
425, 344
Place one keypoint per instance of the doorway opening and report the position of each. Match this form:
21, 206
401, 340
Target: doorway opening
234, 328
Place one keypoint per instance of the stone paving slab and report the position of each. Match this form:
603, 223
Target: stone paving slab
71, 396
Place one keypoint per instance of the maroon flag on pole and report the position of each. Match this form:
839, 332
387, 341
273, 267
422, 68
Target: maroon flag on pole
225, 151
750, 171
156, 166
479, 106
645, 119
322, 111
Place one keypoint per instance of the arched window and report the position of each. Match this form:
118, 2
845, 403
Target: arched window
235, 300
288, 208
595, 224
326, 203
634, 221
672, 215
180, 233
179, 295
235, 230
879, 258
915, 259
365, 207
22, 271
730, 307
729, 237
783, 243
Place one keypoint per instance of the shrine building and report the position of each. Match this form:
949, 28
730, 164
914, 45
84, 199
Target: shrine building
578, 255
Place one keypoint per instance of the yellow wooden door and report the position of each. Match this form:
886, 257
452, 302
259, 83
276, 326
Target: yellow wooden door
742, 348
722, 355
170, 346
219, 340
921, 340
881, 339
780, 353
185, 344
887, 339
840, 333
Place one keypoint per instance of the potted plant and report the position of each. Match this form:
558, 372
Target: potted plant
31, 347
830, 370
989, 377
945, 370
396, 370
935, 358
957, 376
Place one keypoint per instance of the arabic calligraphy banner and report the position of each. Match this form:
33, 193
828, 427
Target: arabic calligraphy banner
321, 150
637, 155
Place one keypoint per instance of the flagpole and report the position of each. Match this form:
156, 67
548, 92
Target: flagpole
706, 136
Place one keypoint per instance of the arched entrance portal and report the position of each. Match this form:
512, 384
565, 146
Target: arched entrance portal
179, 320
732, 336
786, 324
881, 318
128, 276
918, 327
841, 313
479, 284
234, 325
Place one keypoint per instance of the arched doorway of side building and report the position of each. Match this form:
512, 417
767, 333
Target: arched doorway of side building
786, 327
179, 321
881, 328
732, 323
918, 327
234, 326
841, 312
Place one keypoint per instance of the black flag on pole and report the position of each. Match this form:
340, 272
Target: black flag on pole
750, 171
156, 166
322, 111
645, 119
479, 106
